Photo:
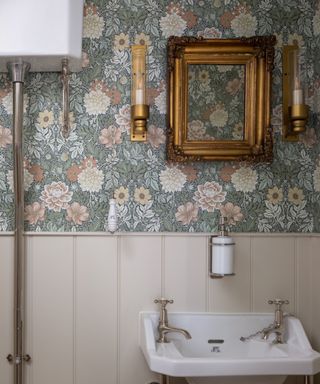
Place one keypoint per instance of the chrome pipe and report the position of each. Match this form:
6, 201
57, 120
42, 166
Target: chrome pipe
18, 71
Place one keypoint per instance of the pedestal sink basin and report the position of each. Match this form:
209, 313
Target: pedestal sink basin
215, 354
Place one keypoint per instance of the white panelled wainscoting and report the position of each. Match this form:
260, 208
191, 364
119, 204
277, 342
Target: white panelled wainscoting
84, 292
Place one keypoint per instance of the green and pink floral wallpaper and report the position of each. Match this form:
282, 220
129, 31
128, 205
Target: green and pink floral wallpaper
68, 183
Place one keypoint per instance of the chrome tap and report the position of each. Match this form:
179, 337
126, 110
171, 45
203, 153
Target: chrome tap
277, 327
163, 327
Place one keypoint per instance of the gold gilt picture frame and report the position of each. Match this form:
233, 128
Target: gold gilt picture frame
241, 101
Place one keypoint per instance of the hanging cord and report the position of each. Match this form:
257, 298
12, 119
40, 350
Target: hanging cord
65, 77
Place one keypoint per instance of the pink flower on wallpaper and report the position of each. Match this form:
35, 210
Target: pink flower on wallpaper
155, 136
187, 213
210, 33
233, 86
77, 213
123, 118
56, 196
34, 212
5, 137
110, 136
232, 213
209, 196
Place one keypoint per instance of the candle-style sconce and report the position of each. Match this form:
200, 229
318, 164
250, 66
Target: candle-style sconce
139, 107
295, 111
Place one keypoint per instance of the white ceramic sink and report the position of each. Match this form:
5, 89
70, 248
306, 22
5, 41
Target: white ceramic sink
215, 350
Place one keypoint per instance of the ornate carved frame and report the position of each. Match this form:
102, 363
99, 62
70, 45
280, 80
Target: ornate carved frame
257, 54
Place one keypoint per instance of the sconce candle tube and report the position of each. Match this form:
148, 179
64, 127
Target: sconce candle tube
139, 108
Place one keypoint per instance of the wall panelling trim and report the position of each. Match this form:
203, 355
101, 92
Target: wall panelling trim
85, 290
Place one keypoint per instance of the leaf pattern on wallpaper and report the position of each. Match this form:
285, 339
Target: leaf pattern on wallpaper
68, 183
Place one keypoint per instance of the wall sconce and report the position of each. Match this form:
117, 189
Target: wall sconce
221, 260
139, 108
295, 111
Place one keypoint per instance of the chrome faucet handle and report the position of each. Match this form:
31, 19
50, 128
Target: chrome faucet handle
163, 302
278, 303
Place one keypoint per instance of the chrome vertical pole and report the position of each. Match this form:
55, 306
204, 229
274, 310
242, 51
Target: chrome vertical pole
18, 71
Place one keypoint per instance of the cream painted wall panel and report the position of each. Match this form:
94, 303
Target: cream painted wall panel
273, 271
185, 272
6, 309
50, 323
140, 284
96, 310
232, 293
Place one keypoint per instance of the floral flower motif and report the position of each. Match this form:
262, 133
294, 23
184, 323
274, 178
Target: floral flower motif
295, 196
196, 130
316, 23
34, 213
56, 196
219, 117
190, 18
36, 171
275, 195
209, 196
226, 172
73, 173
316, 179
172, 179
244, 179
142, 39
121, 42
93, 24
244, 24
110, 136
8, 106
91, 179
204, 77
172, 25
233, 86
121, 195
155, 136
142, 195
237, 132
5, 137
210, 33
45, 118
232, 213
123, 119
27, 179
77, 213
187, 213
309, 137
190, 172
160, 102
96, 101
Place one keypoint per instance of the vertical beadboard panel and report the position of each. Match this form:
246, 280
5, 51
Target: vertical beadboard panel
273, 271
232, 293
185, 272
140, 284
305, 282
6, 307
51, 320
96, 310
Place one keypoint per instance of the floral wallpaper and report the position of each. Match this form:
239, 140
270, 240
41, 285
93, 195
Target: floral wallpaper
68, 183
216, 102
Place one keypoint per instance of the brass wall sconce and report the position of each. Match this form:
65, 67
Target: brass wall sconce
295, 111
139, 107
